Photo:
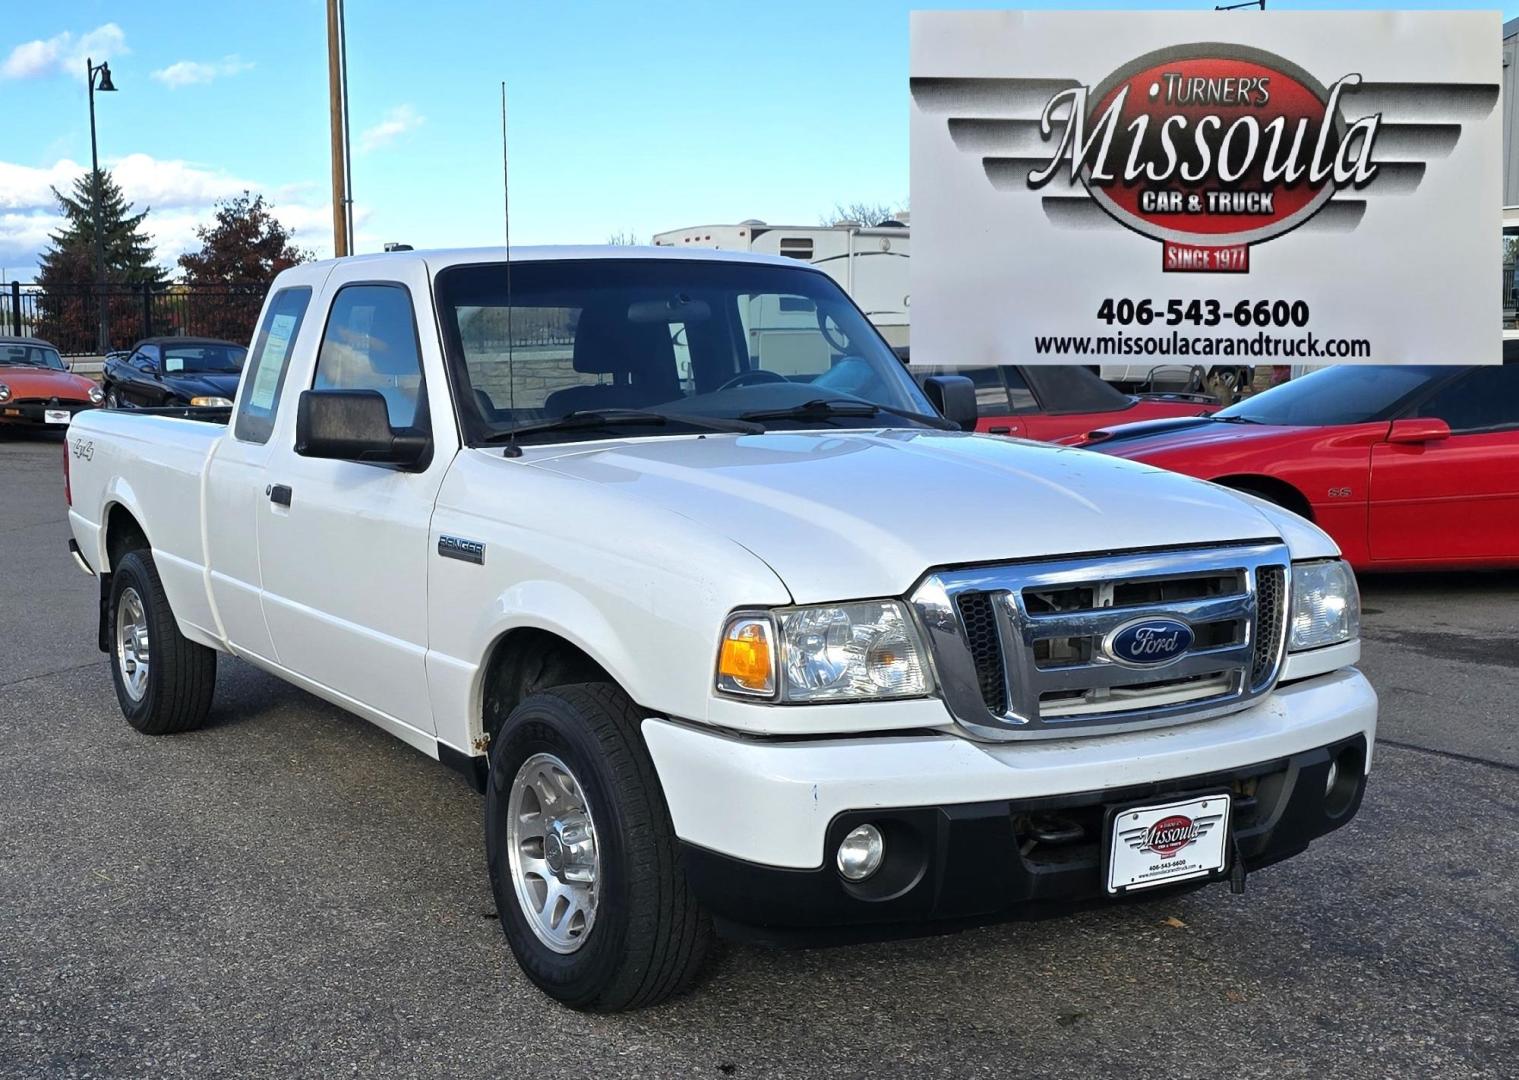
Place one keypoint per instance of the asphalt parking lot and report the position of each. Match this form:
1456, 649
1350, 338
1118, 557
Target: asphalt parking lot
291, 892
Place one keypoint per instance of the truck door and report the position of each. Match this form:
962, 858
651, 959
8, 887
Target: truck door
235, 484
343, 545
1455, 498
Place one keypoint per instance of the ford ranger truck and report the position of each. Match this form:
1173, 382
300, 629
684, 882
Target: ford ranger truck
732, 623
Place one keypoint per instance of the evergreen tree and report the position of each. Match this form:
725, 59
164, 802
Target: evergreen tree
69, 306
70, 260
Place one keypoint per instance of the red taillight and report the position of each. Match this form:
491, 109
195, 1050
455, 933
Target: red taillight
68, 492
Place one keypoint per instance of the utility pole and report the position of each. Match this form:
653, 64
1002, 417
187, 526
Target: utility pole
341, 243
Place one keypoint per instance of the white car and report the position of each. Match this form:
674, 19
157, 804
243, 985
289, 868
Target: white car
788, 655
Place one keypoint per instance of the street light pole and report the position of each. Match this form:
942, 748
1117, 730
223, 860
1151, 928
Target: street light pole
103, 340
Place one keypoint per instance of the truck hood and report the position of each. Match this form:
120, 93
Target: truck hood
853, 514
26, 381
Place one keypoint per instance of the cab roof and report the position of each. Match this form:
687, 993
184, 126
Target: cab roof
438, 258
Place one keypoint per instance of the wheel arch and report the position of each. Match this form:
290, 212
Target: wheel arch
525, 659
121, 531
1272, 489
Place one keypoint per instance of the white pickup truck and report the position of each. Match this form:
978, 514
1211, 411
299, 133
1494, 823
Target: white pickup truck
789, 655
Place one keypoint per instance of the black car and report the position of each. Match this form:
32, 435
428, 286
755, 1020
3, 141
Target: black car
174, 371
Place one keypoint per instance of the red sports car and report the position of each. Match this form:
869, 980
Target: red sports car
37, 389
1060, 402
1408, 468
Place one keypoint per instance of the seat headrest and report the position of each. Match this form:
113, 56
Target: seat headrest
608, 343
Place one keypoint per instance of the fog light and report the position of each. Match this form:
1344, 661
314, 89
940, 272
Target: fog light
860, 853
1334, 774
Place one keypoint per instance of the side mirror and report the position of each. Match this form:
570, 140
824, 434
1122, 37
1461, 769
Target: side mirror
955, 397
354, 425
1425, 429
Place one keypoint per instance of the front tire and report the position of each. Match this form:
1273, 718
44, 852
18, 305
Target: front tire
164, 681
582, 856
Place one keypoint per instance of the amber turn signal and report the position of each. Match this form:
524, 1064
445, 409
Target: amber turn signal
746, 663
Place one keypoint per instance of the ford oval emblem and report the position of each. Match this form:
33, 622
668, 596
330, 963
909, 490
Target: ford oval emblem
1149, 642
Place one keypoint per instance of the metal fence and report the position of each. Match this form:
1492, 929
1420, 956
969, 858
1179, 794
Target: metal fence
69, 315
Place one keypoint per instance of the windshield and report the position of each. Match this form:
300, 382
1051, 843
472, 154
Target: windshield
204, 358
17, 355
1347, 394
677, 337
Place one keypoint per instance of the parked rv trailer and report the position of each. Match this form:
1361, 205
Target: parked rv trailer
871, 263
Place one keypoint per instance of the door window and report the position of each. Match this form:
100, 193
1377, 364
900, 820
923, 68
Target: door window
265, 376
1484, 398
1021, 396
371, 344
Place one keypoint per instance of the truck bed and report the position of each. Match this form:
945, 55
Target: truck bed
150, 463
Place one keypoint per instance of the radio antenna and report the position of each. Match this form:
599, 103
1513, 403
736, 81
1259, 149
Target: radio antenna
512, 449
1245, 4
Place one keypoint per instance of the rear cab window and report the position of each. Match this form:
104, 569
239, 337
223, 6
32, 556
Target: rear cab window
264, 377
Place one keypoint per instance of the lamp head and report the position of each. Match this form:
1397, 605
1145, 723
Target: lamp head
106, 85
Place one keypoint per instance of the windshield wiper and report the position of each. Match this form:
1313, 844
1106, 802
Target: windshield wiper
828, 408
583, 419
1230, 419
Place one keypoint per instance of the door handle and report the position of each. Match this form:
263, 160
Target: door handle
279, 494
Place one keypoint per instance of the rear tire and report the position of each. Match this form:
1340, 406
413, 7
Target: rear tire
164, 681
644, 937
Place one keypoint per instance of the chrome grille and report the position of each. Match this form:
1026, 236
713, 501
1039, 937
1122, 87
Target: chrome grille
1271, 615
1020, 652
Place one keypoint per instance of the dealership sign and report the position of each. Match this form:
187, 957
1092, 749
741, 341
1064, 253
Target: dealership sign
1181, 188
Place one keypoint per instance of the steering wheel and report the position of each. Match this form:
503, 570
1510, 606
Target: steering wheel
831, 331
753, 375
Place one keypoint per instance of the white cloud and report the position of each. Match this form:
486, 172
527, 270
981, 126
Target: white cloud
64, 54
181, 195
193, 72
397, 122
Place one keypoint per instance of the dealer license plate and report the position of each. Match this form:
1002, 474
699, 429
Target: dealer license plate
55, 416
1158, 845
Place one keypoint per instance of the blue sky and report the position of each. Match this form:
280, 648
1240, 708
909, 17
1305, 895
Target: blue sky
625, 117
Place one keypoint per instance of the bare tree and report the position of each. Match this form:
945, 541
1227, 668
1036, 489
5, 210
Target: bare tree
865, 213
624, 238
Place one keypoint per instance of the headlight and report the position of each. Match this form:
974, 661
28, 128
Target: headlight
839, 652
97, 395
214, 402
5, 392
1326, 605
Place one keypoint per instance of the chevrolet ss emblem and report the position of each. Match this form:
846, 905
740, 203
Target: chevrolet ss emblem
456, 547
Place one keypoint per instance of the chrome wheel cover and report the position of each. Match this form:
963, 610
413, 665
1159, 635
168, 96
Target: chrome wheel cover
551, 844
132, 650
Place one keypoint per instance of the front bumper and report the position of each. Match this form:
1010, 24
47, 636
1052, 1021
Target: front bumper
35, 412
758, 820
979, 862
